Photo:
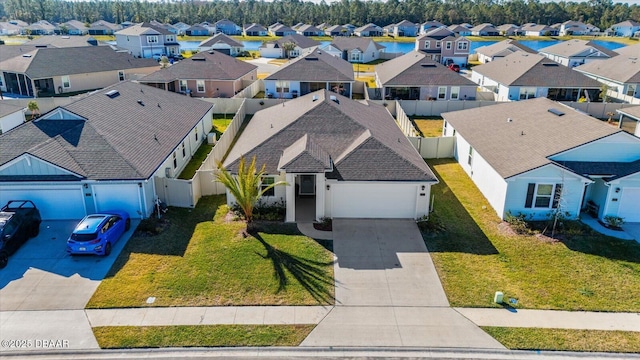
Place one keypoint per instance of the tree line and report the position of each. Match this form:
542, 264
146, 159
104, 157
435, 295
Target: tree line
602, 13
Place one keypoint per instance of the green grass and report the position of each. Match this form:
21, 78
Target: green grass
429, 126
566, 339
475, 257
369, 80
203, 260
196, 161
221, 123
126, 337
368, 67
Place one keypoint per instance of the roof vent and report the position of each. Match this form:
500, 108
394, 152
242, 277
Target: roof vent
198, 59
428, 65
315, 98
211, 52
41, 46
26, 55
555, 112
334, 99
112, 93
65, 37
549, 64
311, 58
509, 120
140, 102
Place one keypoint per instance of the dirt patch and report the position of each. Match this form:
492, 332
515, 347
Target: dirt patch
505, 229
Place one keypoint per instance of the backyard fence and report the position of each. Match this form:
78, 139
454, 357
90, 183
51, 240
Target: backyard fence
404, 122
251, 91
597, 109
436, 108
434, 147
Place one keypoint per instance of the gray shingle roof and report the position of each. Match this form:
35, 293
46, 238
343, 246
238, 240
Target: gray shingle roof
611, 170
381, 151
206, 65
63, 41
11, 51
315, 65
524, 69
144, 28
632, 111
220, 38
504, 48
414, 69
118, 138
305, 156
621, 68
629, 50
49, 62
350, 43
301, 41
574, 47
530, 138
368, 27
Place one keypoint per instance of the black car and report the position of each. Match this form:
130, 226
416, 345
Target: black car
19, 221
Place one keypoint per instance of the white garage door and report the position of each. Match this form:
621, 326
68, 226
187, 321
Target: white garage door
373, 200
630, 205
54, 202
118, 197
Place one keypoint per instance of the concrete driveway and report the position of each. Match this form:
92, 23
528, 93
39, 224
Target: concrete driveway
388, 292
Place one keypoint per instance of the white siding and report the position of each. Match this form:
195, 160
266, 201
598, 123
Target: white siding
29, 165
627, 199
10, 121
272, 53
620, 146
378, 200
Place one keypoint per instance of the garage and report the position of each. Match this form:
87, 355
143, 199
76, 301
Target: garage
629, 205
118, 197
55, 202
362, 200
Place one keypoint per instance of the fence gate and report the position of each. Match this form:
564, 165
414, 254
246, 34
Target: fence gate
175, 192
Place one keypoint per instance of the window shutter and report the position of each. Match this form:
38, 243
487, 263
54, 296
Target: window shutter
530, 190
556, 196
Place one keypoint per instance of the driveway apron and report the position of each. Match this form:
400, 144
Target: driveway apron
388, 292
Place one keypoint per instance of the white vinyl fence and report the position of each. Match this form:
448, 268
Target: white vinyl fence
404, 122
434, 147
250, 91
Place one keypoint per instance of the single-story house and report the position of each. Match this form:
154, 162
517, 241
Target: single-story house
626, 28
313, 70
278, 29
254, 30
7, 28
571, 27
355, 49
460, 30
103, 151
620, 73
47, 71
73, 27
368, 30
339, 157
576, 52
508, 29
10, 116
227, 27
206, 74
197, 30
501, 49
414, 76
427, 26
55, 41
538, 30
42, 27
485, 29
309, 30
522, 76
276, 48
403, 28
102, 27
222, 43
537, 157
335, 30
630, 120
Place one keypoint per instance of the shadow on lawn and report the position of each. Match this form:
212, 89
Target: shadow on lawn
458, 231
309, 273
591, 242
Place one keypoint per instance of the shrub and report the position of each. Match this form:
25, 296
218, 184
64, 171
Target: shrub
430, 224
325, 224
613, 221
263, 211
151, 226
518, 223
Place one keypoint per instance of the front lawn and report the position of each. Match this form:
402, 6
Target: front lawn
566, 339
428, 126
126, 337
477, 255
202, 260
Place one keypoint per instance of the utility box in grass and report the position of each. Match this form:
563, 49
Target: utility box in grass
211, 138
498, 297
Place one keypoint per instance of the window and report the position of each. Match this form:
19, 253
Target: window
175, 161
200, 85
470, 159
1, 84
121, 75
631, 90
152, 39
196, 132
463, 45
438, 44
543, 195
282, 86
355, 56
442, 92
455, 92
170, 38
65, 82
527, 93
426, 44
448, 45
183, 85
267, 181
184, 151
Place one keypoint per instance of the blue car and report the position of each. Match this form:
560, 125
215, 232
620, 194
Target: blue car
97, 233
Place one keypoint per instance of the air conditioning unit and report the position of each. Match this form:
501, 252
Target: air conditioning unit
168, 172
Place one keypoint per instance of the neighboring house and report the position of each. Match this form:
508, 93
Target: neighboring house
537, 157
222, 43
630, 120
73, 27
55, 41
275, 49
339, 157
42, 27
626, 28
314, 70
211, 28
309, 30
350, 28
443, 46
10, 116
182, 27
571, 27
620, 73
255, 30
508, 29
147, 41
368, 30
414, 76
102, 27
48, 71
485, 29
403, 28
501, 49
460, 30
227, 27
576, 52
355, 49
206, 74
281, 30
102, 152
522, 76
425, 27
7, 28
197, 30
335, 30
538, 30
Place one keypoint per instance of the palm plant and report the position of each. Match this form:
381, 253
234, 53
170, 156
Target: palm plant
33, 108
246, 186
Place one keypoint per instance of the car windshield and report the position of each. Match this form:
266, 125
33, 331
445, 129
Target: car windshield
90, 224
84, 237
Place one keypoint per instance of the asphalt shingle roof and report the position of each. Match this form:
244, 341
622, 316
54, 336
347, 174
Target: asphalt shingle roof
350, 43
629, 50
612, 170
574, 47
519, 136
206, 65
63, 41
362, 139
414, 69
119, 137
504, 48
621, 68
315, 65
220, 38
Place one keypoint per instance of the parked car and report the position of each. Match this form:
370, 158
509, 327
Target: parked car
19, 221
176, 57
454, 67
97, 233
